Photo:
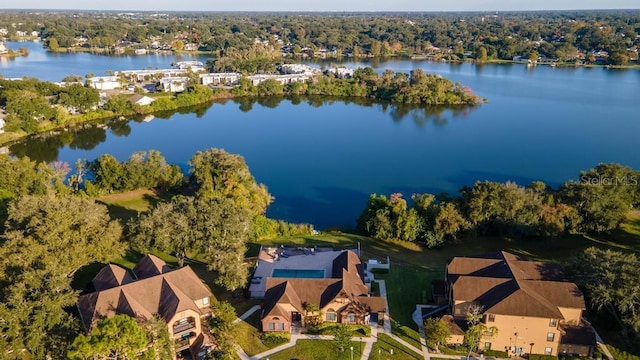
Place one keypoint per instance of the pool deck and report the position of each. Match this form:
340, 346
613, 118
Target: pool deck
271, 258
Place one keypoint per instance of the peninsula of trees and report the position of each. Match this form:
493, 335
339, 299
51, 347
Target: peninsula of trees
34, 106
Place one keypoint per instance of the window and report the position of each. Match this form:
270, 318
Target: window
491, 318
487, 346
553, 322
548, 351
351, 317
205, 300
272, 326
281, 326
551, 336
331, 316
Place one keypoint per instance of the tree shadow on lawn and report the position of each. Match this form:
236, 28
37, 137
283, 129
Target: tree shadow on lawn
120, 213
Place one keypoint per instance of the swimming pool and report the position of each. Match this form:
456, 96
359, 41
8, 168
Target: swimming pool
298, 273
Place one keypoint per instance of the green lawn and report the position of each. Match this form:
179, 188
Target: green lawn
406, 287
407, 333
356, 330
318, 350
381, 350
337, 240
247, 335
413, 266
632, 225
129, 204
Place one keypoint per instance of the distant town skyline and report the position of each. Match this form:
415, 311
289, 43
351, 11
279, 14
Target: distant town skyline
326, 5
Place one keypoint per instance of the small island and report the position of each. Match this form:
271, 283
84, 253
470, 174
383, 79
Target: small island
10, 53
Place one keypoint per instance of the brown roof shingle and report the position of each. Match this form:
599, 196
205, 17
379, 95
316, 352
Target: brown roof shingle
150, 265
163, 294
504, 284
298, 291
111, 276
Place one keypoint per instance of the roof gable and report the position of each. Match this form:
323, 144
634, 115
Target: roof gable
347, 260
164, 294
149, 266
504, 284
111, 276
347, 281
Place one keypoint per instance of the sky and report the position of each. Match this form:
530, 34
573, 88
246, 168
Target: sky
321, 5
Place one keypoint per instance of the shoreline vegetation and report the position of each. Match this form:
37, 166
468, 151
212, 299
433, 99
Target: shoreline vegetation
35, 106
125, 205
355, 58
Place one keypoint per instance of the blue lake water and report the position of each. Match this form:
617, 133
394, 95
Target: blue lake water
321, 160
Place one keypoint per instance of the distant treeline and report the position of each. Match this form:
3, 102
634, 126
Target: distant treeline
598, 201
553, 34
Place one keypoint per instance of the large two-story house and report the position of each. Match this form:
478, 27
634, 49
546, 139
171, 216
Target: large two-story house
342, 298
532, 305
176, 295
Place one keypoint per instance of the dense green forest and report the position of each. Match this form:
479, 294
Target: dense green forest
598, 201
53, 224
52, 227
452, 36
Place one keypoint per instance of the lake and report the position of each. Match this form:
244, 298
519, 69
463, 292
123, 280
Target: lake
321, 158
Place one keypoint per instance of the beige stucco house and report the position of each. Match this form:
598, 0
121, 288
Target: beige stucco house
535, 309
176, 295
342, 298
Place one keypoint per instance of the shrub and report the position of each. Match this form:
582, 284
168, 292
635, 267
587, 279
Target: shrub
275, 338
495, 353
379, 271
542, 357
313, 330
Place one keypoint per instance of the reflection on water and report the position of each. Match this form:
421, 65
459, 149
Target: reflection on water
45, 147
322, 157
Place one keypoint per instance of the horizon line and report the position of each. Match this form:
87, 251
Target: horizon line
321, 11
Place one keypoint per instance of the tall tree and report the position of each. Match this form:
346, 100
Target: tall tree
603, 196
216, 229
612, 283
47, 240
476, 329
115, 338
79, 97
342, 337
220, 175
436, 333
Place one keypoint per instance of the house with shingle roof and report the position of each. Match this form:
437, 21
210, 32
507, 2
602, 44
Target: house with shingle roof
533, 306
142, 100
176, 295
343, 297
